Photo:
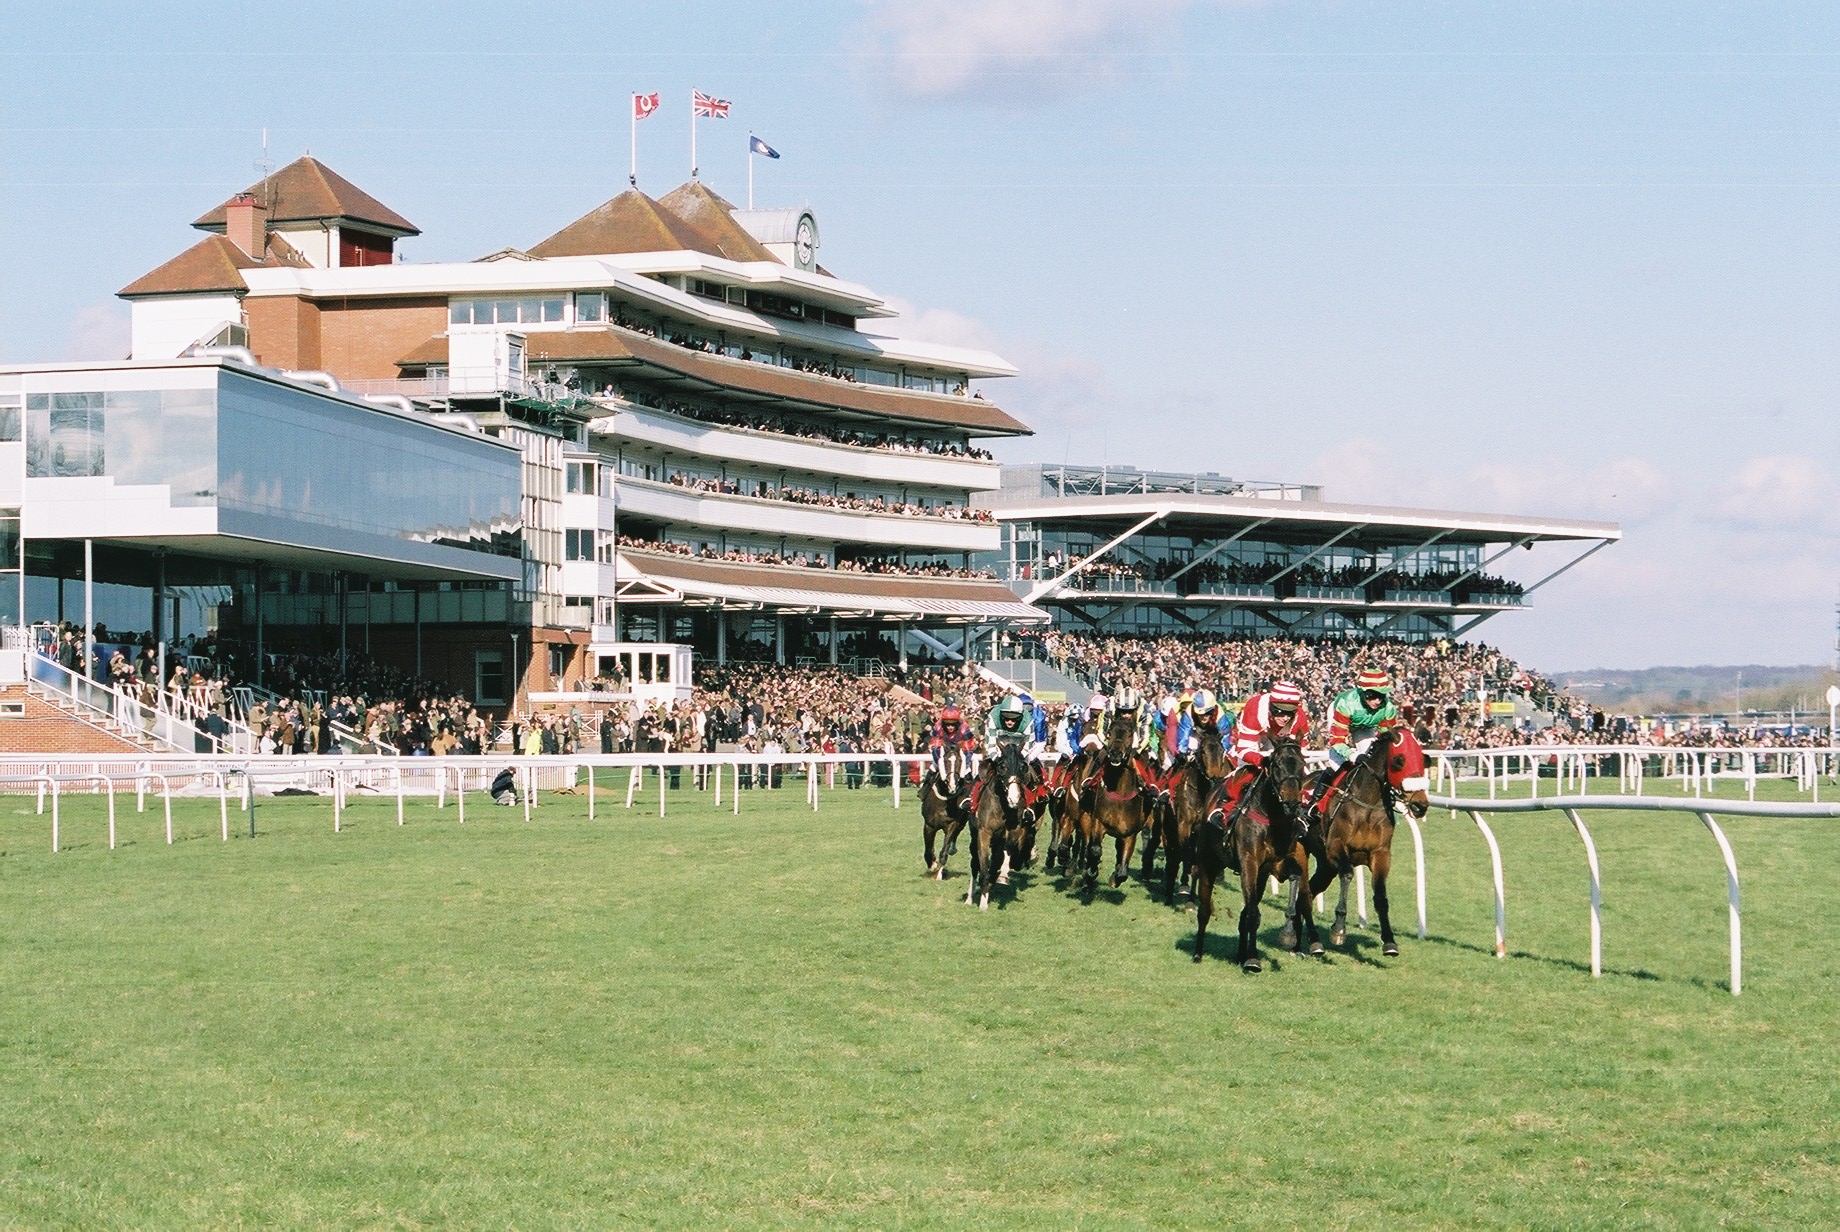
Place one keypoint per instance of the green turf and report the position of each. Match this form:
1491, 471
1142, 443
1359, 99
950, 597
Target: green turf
776, 1020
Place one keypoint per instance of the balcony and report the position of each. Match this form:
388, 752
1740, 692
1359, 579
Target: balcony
1331, 594
767, 516
691, 438
1438, 598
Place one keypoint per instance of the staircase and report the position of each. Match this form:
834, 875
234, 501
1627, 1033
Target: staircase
38, 724
1040, 681
91, 711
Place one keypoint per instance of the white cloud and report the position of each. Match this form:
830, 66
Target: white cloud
940, 325
1780, 492
951, 48
99, 331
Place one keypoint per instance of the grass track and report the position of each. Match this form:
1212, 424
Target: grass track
775, 1020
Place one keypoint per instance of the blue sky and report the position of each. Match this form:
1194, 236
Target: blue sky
1565, 259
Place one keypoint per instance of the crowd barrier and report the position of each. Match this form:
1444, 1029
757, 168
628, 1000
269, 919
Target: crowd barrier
1631, 767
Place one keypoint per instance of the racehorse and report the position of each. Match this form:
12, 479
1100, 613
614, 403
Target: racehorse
1262, 838
943, 806
1116, 803
1000, 836
1064, 848
1357, 824
1191, 792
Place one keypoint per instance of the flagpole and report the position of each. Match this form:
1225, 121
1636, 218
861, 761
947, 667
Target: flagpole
632, 176
750, 171
693, 135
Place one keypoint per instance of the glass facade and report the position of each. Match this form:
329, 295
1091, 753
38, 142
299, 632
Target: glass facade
252, 446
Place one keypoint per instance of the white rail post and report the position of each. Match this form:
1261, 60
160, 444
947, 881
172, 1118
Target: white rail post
54, 816
1418, 868
735, 792
440, 790
1597, 894
223, 801
661, 789
109, 786
459, 790
590, 791
530, 783
1501, 896
718, 770
632, 784
338, 804
399, 794
140, 793
166, 800
1731, 891
894, 776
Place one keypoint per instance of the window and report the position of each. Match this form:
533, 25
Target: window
489, 677
507, 311
558, 663
591, 306
580, 478
578, 545
514, 358
9, 419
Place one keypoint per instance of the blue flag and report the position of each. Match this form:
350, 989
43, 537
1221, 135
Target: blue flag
757, 146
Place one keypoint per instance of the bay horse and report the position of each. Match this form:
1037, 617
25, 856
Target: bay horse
1263, 837
999, 835
1357, 824
1191, 791
1064, 848
1115, 802
943, 806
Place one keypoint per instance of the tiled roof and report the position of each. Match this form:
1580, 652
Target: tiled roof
665, 360
212, 264
306, 190
631, 222
703, 209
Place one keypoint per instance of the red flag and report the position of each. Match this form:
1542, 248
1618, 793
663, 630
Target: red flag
644, 105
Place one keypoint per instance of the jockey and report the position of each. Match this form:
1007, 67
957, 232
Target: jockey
1359, 715
1204, 710
1092, 727
1278, 712
950, 732
1011, 723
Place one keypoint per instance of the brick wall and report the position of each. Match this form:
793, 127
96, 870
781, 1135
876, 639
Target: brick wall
361, 340
46, 729
283, 330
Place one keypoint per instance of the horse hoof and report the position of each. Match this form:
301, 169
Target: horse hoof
1390, 950
984, 903
1003, 879
1316, 949
1287, 940
1251, 966
1338, 935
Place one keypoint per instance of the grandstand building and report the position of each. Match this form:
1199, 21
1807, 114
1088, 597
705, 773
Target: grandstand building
1121, 550
722, 443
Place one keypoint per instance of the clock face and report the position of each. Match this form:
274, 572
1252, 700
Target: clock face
805, 242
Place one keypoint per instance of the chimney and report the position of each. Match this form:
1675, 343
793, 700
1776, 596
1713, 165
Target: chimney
246, 224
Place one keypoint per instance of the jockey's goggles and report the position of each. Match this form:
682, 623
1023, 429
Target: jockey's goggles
1373, 697
1284, 708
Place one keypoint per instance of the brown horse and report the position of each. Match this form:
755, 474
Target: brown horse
1357, 823
1115, 802
1262, 838
943, 807
1065, 850
1191, 790
1000, 836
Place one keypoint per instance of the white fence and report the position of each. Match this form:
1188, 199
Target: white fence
1631, 767
1571, 806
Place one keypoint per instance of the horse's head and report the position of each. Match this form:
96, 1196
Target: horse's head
1011, 769
1405, 768
1212, 754
1120, 731
1284, 770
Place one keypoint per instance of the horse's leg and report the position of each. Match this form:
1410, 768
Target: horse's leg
1381, 863
932, 866
1126, 845
1152, 840
1287, 936
1204, 909
1250, 890
1003, 864
1306, 905
1172, 856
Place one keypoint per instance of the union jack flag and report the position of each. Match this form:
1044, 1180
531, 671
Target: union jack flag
703, 105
